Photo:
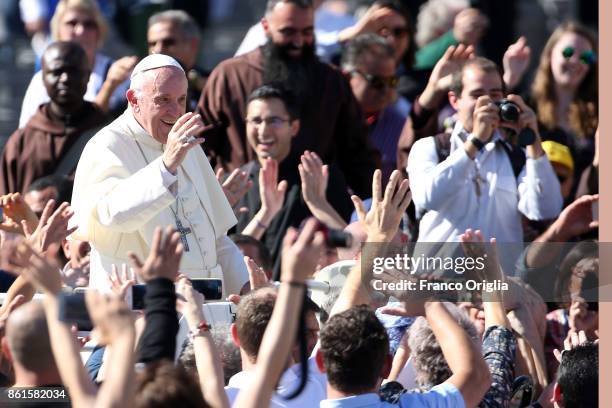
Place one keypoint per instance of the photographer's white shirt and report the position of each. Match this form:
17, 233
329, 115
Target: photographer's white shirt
314, 392
448, 194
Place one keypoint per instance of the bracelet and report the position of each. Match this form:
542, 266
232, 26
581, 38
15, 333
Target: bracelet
260, 224
202, 328
295, 284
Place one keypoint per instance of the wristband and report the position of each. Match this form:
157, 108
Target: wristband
260, 224
202, 328
476, 142
295, 284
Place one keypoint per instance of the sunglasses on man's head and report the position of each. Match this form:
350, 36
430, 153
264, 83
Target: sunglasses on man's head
379, 82
587, 57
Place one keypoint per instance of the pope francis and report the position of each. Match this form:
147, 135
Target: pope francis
146, 169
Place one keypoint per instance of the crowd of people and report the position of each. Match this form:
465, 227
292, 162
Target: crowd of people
276, 181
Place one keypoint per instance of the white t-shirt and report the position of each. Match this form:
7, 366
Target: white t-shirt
314, 392
440, 396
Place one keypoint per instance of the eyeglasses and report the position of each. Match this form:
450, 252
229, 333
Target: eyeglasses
379, 82
275, 122
587, 57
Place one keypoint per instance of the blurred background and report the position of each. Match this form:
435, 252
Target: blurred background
24, 30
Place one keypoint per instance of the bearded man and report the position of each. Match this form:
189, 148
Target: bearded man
331, 120
142, 172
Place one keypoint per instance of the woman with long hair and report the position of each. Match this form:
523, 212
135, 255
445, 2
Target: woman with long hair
564, 91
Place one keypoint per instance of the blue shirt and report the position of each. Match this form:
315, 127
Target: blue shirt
440, 396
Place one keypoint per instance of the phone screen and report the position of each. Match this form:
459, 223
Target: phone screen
210, 288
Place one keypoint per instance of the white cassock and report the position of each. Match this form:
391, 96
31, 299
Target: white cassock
122, 191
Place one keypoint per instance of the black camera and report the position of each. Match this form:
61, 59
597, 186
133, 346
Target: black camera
510, 112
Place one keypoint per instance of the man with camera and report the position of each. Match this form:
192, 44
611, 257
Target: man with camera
489, 170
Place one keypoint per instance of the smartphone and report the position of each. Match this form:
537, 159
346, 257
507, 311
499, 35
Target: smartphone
595, 210
210, 288
72, 310
138, 295
1, 213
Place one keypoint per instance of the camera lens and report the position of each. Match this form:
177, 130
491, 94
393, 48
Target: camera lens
508, 111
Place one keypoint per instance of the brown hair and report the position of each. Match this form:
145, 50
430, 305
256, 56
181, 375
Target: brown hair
252, 317
583, 109
480, 63
163, 384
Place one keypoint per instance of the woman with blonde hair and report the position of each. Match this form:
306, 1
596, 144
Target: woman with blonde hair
82, 22
564, 91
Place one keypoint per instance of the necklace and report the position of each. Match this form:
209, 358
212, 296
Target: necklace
179, 225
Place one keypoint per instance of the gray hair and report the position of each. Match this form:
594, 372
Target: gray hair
227, 350
184, 21
363, 46
435, 18
429, 362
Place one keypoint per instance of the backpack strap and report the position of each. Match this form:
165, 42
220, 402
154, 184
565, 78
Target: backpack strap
443, 145
516, 155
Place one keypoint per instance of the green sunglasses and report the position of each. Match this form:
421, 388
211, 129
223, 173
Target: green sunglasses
587, 57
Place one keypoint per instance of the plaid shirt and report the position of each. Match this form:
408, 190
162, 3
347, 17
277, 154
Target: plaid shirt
499, 350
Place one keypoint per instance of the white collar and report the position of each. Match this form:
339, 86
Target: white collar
138, 132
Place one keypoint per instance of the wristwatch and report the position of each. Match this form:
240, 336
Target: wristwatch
476, 142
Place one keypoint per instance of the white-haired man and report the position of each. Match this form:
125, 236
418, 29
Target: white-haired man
145, 170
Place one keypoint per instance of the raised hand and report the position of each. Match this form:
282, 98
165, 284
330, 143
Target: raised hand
120, 283
576, 219
110, 315
271, 192
516, 60
164, 257
41, 271
382, 221
16, 211
52, 227
301, 252
314, 175
120, 70
451, 62
181, 139
474, 246
189, 302
257, 276
235, 186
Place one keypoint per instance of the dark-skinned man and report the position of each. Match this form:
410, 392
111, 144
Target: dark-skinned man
331, 120
46, 144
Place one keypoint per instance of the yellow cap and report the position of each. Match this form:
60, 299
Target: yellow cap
558, 153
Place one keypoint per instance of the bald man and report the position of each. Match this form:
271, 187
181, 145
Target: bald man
28, 347
44, 146
145, 170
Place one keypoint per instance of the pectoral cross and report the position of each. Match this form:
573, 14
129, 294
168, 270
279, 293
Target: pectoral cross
477, 183
183, 231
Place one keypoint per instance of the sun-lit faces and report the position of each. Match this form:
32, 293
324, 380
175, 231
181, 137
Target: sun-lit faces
80, 27
372, 83
161, 100
166, 38
269, 128
290, 25
476, 83
569, 70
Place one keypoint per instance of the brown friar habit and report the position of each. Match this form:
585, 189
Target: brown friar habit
37, 149
331, 123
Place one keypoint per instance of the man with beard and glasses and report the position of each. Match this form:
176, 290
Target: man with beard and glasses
331, 119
